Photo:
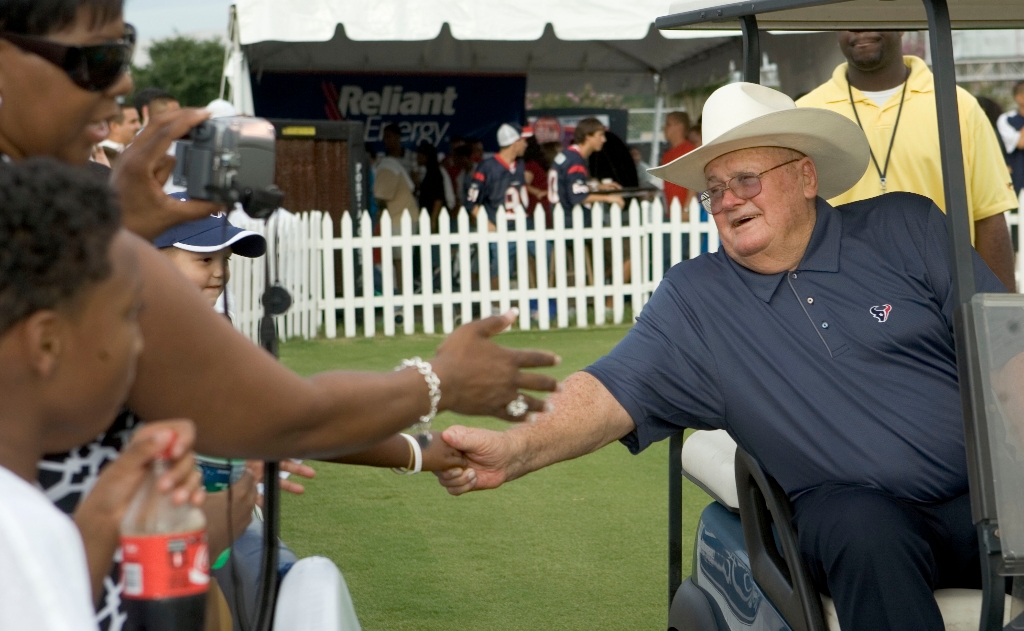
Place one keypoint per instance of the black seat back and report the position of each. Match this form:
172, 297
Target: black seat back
781, 575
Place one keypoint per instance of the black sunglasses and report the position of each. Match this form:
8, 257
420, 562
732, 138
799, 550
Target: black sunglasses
94, 68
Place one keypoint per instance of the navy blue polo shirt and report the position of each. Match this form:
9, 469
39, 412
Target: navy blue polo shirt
842, 370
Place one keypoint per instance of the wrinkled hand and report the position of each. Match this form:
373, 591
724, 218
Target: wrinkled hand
488, 460
479, 377
440, 456
609, 186
142, 170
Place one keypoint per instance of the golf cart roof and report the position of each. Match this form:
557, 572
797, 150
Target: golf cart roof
839, 15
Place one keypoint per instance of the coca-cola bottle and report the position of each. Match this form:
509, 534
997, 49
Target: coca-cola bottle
166, 564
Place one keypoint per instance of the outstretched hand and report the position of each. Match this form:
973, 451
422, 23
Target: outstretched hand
288, 466
488, 460
142, 170
479, 377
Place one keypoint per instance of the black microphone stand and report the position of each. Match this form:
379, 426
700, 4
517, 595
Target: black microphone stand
276, 301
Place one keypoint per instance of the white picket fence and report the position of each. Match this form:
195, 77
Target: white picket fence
628, 238
294, 244
303, 252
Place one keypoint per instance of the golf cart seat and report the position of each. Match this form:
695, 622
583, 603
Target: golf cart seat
712, 461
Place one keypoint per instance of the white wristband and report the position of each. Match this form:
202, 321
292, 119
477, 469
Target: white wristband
417, 457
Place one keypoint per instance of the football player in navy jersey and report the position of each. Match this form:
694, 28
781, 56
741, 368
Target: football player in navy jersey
567, 179
498, 185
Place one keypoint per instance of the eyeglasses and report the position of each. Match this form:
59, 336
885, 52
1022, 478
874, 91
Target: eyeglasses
744, 186
94, 68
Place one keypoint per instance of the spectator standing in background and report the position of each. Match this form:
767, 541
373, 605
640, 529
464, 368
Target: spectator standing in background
567, 178
892, 98
642, 176
696, 134
676, 130
432, 190
536, 175
123, 128
1009, 127
152, 101
476, 154
393, 149
498, 186
460, 172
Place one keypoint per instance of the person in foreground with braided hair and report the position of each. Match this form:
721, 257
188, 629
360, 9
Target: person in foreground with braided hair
69, 340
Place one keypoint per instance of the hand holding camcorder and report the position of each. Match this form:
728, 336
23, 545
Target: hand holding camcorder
230, 160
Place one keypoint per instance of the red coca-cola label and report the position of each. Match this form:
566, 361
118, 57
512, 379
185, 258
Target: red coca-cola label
166, 565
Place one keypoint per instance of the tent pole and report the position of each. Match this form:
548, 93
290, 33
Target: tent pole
751, 49
231, 44
659, 107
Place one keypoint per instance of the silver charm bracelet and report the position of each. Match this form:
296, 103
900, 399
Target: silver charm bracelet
422, 428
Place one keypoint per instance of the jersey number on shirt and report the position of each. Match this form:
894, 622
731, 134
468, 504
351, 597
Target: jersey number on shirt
553, 187
514, 197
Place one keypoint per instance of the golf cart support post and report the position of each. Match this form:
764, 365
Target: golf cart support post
935, 16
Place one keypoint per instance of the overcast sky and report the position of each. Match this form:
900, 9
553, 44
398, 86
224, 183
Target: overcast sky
155, 19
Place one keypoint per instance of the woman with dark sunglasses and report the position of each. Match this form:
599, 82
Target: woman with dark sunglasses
62, 65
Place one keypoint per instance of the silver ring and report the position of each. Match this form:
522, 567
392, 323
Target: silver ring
518, 407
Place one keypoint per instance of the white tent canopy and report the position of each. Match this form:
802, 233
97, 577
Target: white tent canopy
417, 20
561, 47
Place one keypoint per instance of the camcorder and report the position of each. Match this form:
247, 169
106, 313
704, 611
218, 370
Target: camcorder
230, 160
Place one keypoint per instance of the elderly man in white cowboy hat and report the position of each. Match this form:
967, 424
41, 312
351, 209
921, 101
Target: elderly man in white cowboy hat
820, 338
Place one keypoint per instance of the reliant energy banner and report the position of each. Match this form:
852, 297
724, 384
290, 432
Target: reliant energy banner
433, 108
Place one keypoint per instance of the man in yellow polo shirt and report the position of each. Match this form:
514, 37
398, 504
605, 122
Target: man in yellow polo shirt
892, 98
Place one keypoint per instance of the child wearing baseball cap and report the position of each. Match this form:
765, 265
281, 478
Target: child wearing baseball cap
200, 250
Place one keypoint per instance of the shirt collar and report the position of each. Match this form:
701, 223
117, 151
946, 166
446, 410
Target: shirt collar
920, 81
822, 254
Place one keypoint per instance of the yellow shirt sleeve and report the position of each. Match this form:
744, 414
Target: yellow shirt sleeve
989, 188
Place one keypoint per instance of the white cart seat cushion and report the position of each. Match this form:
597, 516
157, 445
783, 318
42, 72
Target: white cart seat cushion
960, 608
709, 458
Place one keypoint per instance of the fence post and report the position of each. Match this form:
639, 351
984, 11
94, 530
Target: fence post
369, 315
523, 268
598, 260
543, 266
426, 272
447, 299
579, 255
408, 283
635, 252
465, 268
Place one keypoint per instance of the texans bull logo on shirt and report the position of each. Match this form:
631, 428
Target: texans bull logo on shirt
881, 313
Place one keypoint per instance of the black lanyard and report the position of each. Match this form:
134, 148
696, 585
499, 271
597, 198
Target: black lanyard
881, 170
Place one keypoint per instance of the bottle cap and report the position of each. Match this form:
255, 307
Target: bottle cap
167, 454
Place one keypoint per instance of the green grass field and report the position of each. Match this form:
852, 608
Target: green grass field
579, 545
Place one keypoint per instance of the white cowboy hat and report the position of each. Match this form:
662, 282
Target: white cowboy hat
746, 115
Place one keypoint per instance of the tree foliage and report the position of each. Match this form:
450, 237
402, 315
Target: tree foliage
189, 69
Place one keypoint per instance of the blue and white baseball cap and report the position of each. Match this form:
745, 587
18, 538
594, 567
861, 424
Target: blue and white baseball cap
211, 234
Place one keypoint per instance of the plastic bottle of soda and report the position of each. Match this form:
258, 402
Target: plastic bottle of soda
166, 562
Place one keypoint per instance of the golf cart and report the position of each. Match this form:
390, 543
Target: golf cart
747, 572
